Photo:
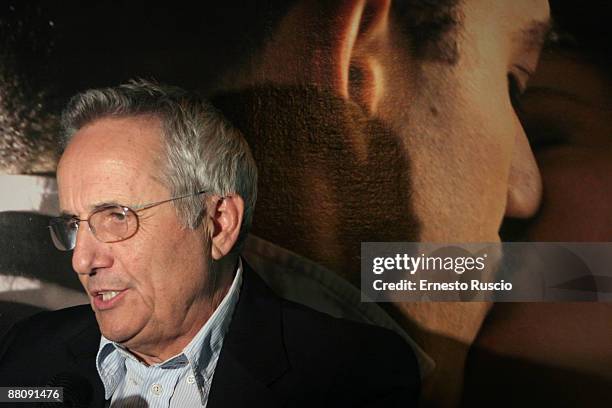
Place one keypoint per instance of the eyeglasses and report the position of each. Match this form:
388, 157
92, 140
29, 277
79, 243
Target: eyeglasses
109, 223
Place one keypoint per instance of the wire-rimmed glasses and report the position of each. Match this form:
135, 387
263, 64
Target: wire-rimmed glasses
109, 223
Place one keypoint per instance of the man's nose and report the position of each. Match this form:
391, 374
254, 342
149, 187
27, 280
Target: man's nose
524, 181
89, 253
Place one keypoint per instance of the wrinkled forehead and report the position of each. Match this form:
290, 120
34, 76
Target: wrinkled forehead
110, 159
129, 140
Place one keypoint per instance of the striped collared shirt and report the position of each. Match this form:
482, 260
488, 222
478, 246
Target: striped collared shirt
181, 381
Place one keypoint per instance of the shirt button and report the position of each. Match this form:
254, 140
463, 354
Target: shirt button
190, 379
156, 389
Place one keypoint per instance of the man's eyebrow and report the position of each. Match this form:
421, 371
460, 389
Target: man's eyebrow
533, 37
94, 207
105, 204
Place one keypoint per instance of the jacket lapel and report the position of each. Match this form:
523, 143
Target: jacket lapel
253, 353
83, 348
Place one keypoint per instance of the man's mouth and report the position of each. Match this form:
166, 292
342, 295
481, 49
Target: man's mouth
107, 299
106, 296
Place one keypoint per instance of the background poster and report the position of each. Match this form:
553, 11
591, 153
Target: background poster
370, 121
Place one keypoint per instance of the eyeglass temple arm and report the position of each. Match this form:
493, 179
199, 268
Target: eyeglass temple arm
149, 205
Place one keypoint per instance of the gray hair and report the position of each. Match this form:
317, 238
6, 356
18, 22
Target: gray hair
203, 150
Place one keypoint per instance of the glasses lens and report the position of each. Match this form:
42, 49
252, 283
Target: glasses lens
63, 233
114, 223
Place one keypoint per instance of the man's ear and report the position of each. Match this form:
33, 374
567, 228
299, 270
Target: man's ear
337, 45
227, 220
350, 42
359, 49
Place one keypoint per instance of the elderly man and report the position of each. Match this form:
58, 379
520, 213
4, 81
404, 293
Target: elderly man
157, 192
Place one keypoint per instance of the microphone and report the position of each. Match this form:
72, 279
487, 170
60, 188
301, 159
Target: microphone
78, 391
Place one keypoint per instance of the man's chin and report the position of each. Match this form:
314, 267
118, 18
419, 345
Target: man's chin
115, 328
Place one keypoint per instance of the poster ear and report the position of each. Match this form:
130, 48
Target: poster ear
340, 46
359, 49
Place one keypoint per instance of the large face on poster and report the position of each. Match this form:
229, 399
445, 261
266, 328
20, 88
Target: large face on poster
397, 124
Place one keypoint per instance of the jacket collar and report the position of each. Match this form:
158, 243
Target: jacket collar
83, 349
253, 354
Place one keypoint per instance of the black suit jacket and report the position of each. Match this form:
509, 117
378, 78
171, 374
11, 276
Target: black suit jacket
275, 354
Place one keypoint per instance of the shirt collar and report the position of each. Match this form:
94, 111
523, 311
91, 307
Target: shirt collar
201, 353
